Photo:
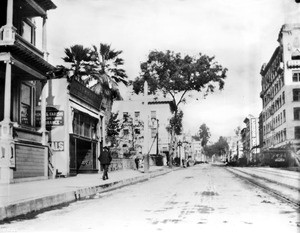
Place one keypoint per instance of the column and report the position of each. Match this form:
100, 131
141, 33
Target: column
7, 95
8, 29
7, 150
44, 38
43, 113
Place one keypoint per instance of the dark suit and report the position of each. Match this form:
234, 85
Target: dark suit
105, 159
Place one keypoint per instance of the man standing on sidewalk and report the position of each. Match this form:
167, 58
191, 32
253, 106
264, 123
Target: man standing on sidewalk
105, 159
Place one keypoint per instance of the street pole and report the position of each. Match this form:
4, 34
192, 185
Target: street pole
157, 137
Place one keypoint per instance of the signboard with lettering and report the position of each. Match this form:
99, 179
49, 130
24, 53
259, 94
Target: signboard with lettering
53, 118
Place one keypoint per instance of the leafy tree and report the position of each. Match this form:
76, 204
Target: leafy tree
113, 129
175, 75
237, 131
219, 148
176, 123
204, 134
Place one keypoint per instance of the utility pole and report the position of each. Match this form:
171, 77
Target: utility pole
157, 150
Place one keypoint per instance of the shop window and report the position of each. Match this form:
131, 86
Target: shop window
296, 94
296, 113
26, 105
296, 76
297, 132
84, 125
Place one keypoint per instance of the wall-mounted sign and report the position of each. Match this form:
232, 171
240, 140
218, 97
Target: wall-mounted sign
53, 118
57, 145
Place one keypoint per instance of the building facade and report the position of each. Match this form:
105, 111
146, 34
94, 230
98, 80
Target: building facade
23, 69
280, 81
75, 125
235, 148
250, 139
144, 120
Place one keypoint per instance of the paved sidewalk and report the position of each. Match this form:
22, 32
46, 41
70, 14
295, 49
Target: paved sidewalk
23, 198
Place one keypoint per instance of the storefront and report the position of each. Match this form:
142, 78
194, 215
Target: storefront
75, 124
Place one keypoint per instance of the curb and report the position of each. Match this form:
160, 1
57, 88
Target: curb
39, 204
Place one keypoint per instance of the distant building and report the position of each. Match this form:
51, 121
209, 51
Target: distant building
280, 82
250, 139
197, 150
235, 148
145, 118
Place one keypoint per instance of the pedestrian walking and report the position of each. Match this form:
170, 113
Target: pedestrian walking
137, 161
105, 159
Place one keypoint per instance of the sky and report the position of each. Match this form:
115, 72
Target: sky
242, 35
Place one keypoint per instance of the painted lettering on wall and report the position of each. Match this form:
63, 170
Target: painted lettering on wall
57, 146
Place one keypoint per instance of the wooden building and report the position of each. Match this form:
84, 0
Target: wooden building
24, 153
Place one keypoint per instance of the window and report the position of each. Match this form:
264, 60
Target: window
296, 76
137, 131
296, 94
296, 113
125, 116
125, 132
28, 31
153, 114
84, 125
26, 105
297, 132
137, 115
284, 117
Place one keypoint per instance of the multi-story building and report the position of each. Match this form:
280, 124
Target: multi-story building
235, 148
145, 119
281, 92
250, 139
23, 71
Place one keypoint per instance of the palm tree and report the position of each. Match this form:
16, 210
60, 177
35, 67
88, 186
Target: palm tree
109, 63
98, 69
81, 62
